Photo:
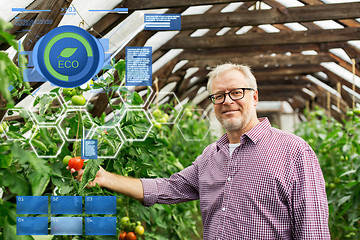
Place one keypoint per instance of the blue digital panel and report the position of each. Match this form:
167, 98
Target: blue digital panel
66, 205
138, 66
32, 226
89, 149
31, 205
100, 205
66, 226
162, 21
100, 226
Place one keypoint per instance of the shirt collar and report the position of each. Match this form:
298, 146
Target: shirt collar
253, 134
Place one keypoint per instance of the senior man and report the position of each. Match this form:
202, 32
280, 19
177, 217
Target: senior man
255, 182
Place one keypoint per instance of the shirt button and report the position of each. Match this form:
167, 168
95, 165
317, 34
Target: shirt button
223, 209
229, 179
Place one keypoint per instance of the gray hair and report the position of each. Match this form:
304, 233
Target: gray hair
220, 69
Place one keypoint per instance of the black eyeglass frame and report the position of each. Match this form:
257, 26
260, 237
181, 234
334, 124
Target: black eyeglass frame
211, 97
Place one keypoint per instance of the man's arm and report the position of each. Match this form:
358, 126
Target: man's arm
180, 187
309, 205
129, 186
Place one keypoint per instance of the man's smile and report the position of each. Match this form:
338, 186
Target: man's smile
230, 111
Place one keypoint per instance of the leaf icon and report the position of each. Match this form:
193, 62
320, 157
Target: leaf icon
67, 52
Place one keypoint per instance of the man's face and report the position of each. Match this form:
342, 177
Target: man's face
234, 115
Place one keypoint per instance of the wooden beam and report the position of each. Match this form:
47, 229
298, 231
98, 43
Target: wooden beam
263, 60
280, 82
232, 52
344, 64
272, 16
19, 30
278, 87
334, 77
265, 39
283, 71
39, 30
151, 4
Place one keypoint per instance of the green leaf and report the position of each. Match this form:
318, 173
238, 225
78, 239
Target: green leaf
66, 189
39, 165
343, 200
136, 99
67, 52
38, 182
120, 67
17, 183
92, 167
352, 171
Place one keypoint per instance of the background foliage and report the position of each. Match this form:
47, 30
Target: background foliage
337, 146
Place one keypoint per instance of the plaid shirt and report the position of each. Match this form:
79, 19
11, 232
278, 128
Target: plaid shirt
271, 187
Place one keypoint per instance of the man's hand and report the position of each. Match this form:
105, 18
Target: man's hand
100, 178
129, 186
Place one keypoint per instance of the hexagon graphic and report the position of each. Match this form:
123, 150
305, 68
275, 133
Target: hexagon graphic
46, 108
17, 124
109, 141
47, 141
194, 124
135, 125
163, 112
76, 124
134, 97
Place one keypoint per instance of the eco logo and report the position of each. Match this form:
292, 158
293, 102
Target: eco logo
68, 56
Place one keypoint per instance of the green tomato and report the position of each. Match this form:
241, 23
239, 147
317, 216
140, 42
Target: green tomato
69, 92
66, 159
3, 127
356, 111
188, 113
350, 113
139, 230
78, 100
166, 116
162, 120
157, 125
125, 221
157, 113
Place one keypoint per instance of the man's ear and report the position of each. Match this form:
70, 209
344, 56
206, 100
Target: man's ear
256, 97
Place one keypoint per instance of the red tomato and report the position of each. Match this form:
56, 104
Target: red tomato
122, 235
76, 163
130, 236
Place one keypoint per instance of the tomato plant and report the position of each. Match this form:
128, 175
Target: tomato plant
337, 146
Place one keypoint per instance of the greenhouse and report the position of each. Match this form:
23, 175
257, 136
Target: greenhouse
207, 119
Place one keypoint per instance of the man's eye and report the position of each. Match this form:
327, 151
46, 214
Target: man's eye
217, 97
237, 92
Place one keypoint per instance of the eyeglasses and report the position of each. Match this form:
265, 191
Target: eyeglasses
235, 94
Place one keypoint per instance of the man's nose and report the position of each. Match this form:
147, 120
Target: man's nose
228, 100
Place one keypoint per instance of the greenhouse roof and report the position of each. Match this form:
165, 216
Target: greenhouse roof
304, 52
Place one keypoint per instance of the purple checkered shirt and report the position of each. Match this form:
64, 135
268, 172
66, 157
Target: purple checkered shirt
271, 187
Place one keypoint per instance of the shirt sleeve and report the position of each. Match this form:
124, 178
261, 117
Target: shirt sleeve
180, 187
309, 206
